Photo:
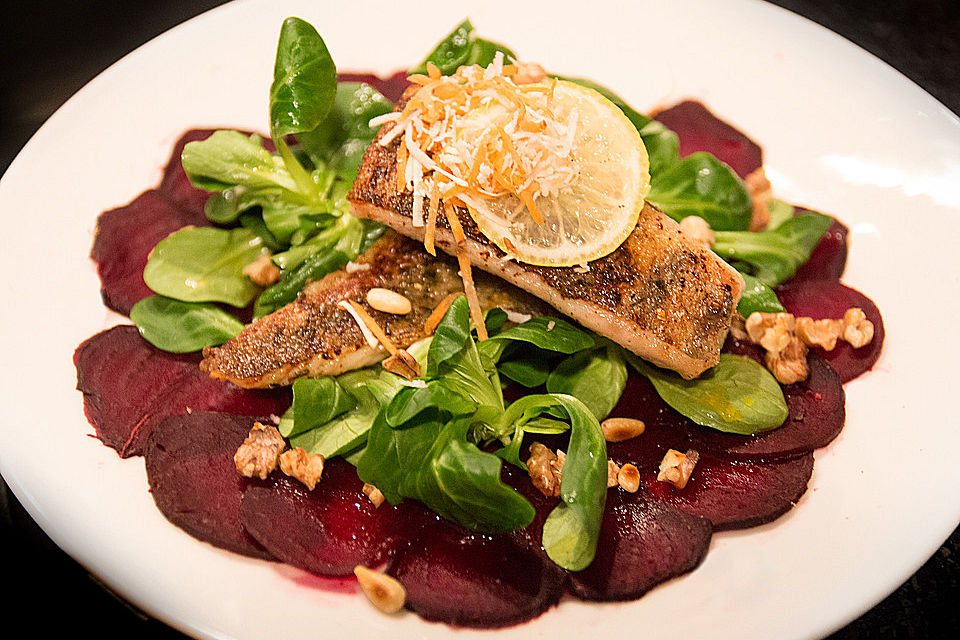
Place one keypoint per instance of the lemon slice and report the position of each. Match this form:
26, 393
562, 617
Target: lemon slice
594, 214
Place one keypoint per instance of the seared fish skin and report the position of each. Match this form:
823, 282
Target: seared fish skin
313, 337
658, 294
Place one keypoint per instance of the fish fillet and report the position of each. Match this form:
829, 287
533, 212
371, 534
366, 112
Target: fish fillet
659, 294
313, 337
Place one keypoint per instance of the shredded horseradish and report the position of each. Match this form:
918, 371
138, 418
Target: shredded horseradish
477, 135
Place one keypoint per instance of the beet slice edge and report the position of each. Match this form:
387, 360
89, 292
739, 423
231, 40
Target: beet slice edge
327, 531
194, 481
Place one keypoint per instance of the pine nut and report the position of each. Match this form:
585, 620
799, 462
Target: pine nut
629, 478
620, 429
388, 301
385, 592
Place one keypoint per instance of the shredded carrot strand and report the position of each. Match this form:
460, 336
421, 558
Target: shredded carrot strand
401, 168
526, 196
437, 314
432, 219
455, 225
473, 300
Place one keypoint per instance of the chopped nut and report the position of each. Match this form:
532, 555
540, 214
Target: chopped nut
260, 452
620, 429
544, 468
375, 495
388, 301
677, 467
697, 229
757, 324
761, 192
857, 330
819, 333
613, 471
790, 364
529, 73
738, 326
629, 478
403, 364
385, 592
262, 270
305, 467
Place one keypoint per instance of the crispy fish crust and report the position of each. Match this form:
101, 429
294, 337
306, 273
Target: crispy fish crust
658, 294
313, 337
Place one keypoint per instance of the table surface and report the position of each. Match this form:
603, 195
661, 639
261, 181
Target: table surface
70, 42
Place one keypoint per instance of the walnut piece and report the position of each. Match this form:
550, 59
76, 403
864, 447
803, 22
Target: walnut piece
698, 230
260, 452
544, 467
262, 270
403, 364
790, 364
819, 333
620, 429
629, 478
761, 192
857, 330
385, 592
305, 467
786, 356
677, 467
375, 495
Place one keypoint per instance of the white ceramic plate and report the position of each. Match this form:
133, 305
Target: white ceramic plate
842, 133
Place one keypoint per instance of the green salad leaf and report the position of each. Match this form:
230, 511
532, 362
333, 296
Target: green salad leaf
757, 297
460, 48
204, 264
304, 80
596, 377
775, 254
738, 395
701, 185
183, 327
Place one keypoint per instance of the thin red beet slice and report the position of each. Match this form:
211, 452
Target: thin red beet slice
125, 236
830, 299
175, 185
392, 87
700, 130
816, 417
643, 542
469, 579
327, 531
735, 494
129, 386
829, 257
194, 481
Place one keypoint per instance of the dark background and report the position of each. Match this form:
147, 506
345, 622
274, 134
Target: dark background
49, 50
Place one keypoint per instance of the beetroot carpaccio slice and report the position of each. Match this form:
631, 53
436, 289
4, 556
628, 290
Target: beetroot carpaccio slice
194, 481
700, 130
820, 299
735, 494
129, 386
643, 542
327, 531
125, 236
471, 579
